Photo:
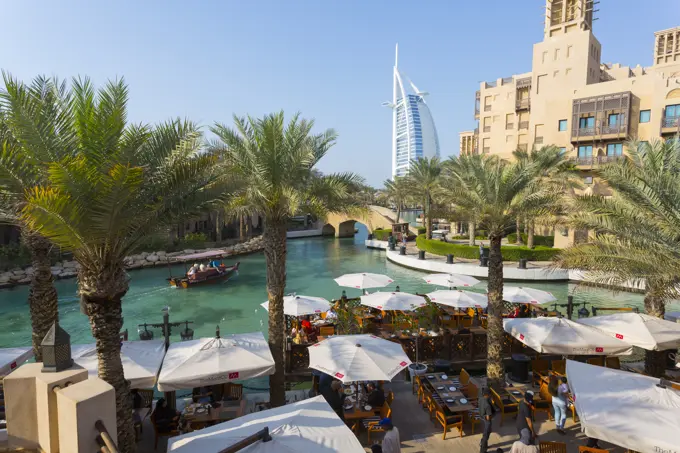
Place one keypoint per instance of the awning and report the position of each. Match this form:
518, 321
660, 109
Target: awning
625, 409
141, 360
11, 358
209, 361
306, 426
201, 255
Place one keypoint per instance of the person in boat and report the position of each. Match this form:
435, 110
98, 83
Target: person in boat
215, 264
202, 267
193, 270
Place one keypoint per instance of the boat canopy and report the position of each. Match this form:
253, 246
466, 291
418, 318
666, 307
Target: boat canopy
202, 255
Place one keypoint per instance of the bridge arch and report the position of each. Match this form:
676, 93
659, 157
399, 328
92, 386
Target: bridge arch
374, 217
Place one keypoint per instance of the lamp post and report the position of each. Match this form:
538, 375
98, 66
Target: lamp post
56, 347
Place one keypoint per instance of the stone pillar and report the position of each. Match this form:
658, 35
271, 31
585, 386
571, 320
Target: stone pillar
31, 405
80, 406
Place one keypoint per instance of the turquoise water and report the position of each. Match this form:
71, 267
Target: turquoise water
235, 305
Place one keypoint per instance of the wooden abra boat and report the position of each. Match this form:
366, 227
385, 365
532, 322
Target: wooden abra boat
210, 274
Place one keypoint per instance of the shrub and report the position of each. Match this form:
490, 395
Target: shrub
380, 234
467, 236
421, 230
548, 241
437, 247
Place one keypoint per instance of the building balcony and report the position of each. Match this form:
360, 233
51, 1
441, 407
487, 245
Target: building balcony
670, 125
509, 126
487, 129
523, 125
594, 161
600, 132
538, 140
523, 83
487, 108
522, 104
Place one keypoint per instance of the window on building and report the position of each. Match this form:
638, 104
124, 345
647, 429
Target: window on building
587, 122
614, 149
645, 116
569, 49
613, 119
509, 139
540, 80
556, 73
562, 125
563, 150
557, 54
567, 71
673, 111
588, 180
544, 56
585, 151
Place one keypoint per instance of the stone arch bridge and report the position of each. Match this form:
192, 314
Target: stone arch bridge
342, 225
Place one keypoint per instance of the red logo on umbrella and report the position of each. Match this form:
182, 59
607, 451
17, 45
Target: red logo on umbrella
466, 284
619, 336
339, 375
402, 364
13, 365
433, 298
316, 344
357, 287
521, 337
379, 307
233, 375
599, 349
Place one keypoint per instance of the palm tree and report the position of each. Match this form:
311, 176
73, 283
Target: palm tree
635, 230
124, 183
555, 170
424, 179
29, 117
493, 191
397, 191
275, 162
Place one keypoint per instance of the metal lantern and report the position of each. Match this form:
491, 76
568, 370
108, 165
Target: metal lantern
145, 334
56, 350
187, 333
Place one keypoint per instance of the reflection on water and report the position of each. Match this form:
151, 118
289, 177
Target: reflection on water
235, 305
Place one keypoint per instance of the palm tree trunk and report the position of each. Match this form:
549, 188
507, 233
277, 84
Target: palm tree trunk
398, 212
218, 226
241, 228
42, 296
655, 361
472, 232
519, 231
102, 288
274, 237
530, 235
494, 332
428, 218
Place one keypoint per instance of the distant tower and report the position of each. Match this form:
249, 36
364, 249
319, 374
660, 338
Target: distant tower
414, 134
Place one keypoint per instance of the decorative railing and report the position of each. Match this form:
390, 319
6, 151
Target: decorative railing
509, 126
538, 140
670, 121
524, 82
493, 84
524, 125
597, 160
522, 104
487, 108
507, 80
487, 128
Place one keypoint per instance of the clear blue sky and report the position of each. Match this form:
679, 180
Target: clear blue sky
331, 60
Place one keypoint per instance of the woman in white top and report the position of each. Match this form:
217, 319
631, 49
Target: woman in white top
391, 442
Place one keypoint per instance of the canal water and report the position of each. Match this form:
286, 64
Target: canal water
235, 305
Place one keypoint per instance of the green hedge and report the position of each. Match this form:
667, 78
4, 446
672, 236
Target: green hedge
437, 247
467, 236
380, 234
421, 230
548, 241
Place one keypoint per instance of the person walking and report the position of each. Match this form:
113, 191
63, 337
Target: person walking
391, 442
524, 419
559, 390
486, 411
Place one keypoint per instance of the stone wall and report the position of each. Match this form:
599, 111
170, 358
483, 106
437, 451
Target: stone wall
69, 269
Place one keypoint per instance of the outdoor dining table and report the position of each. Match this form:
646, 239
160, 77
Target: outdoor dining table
451, 399
228, 410
356, 412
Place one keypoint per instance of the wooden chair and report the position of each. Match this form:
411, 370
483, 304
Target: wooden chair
506, 406
599, 361
326, 331
466, 323
471, 392
464, 377
612, 362
552, 447
196, 425
545, 403
474, 418
371, 423
147, 402
416, 384
232, 392
559, 367
582, 449
448, 421
539, 370
158, 433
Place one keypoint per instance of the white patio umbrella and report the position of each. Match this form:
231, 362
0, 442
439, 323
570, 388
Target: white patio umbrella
523, 295
141, 360
352, 358
643, 331
625, 409
393, 301
364, 280
549, 335
302, 305
459, 299
306, 426
209, 361
11, 358
450, 280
